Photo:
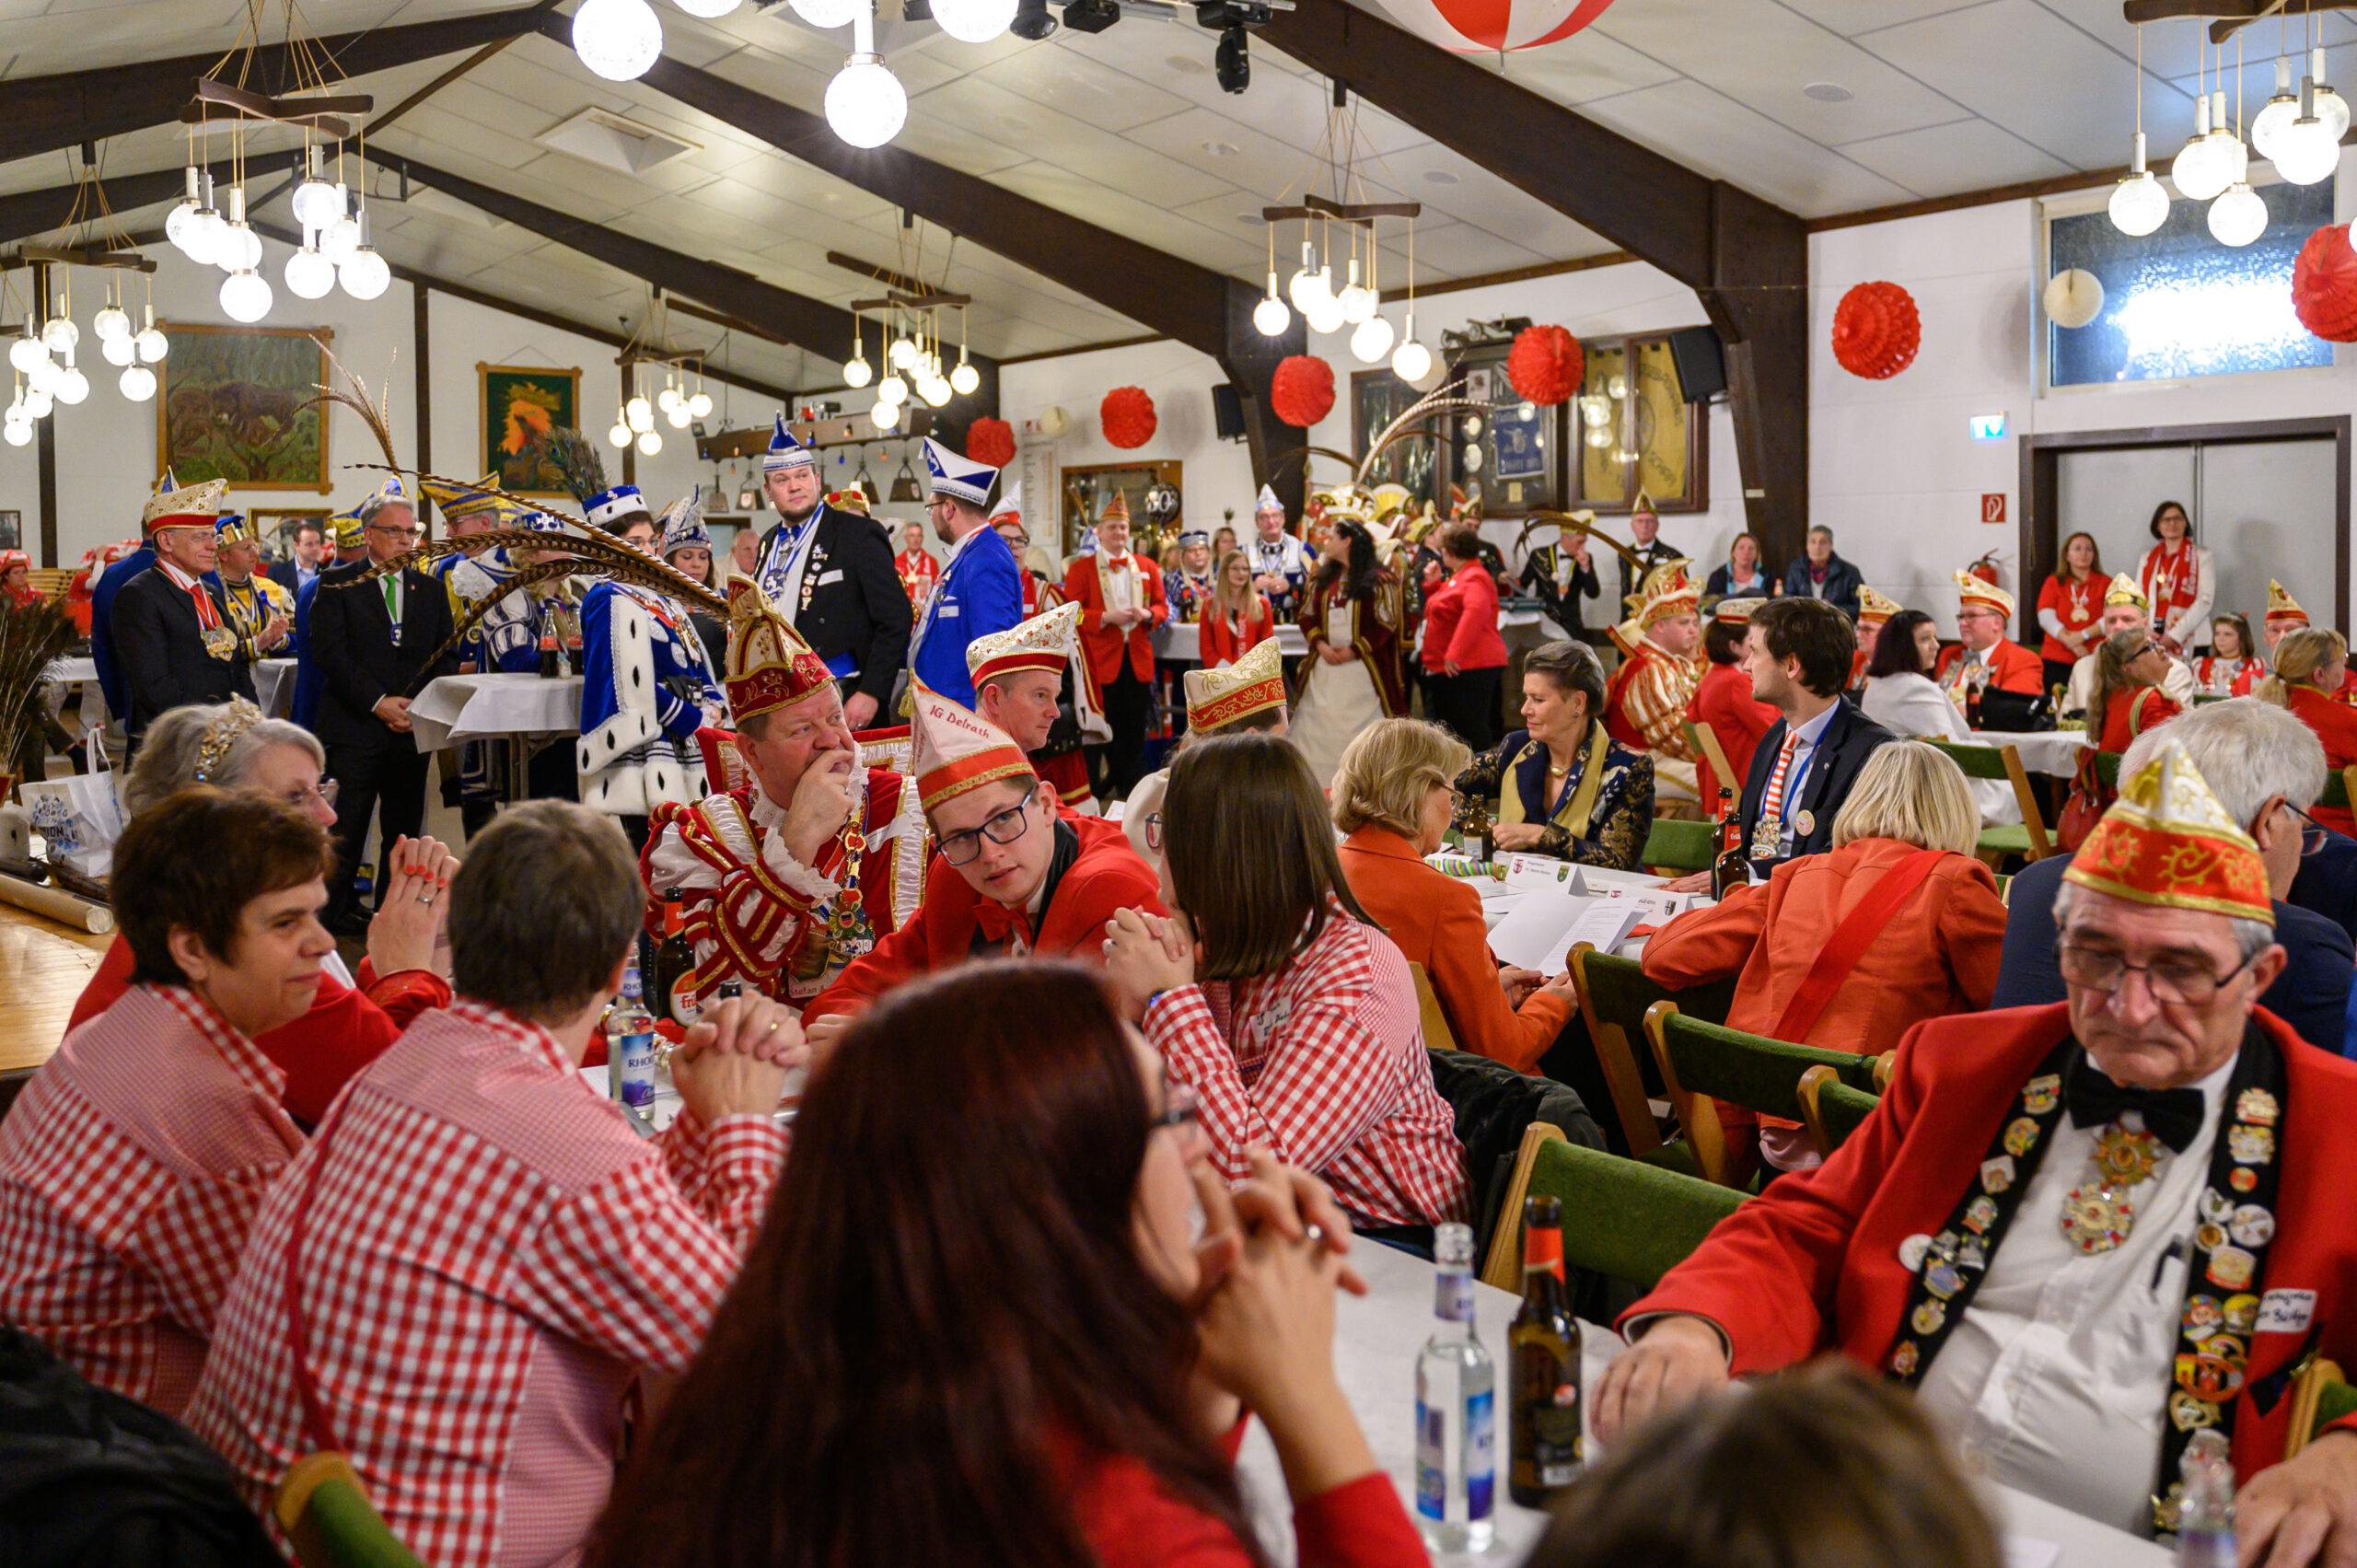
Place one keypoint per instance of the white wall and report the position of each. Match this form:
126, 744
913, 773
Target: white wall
106, 447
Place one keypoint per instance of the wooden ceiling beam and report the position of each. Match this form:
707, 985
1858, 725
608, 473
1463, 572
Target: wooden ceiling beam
74, 106
37, 212
1745, 257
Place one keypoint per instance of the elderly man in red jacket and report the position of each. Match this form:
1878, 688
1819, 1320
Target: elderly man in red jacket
2083, 1232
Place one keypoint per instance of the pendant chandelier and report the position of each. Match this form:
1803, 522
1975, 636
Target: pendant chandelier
43, 359
682, 398
908, 337
1337, 287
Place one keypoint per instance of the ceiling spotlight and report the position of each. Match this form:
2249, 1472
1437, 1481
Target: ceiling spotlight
1230, 65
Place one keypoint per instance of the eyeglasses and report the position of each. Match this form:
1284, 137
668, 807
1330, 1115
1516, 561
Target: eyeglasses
2180, 980
303, 794
958, 849
391, 532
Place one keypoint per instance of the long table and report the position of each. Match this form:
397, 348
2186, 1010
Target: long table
1377, 1338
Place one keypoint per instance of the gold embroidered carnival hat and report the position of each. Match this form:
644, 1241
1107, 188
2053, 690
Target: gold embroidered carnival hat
192, 507
1874, 607
1977, 592
2125, 590
1041, 643
1255, 683
1736, 611
769, 664
2281, 606
958, 749
2168, 843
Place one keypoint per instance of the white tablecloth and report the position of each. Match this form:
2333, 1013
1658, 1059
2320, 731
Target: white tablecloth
2052, 752
1375, 1341
1181, 641
457, 708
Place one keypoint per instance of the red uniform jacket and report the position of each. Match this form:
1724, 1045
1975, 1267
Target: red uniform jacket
1103, 643
1108, 875
1461, 622
1812, 1264
2335, 725
918, 573
1724, 701
2012, 668
345, 1030
1219, 645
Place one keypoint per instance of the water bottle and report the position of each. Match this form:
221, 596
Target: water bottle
1457, 1446
2205, 1520
630, 1047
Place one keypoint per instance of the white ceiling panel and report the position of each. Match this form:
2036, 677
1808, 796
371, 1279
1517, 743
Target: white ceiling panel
1707, 131
1591, 66
1946, 159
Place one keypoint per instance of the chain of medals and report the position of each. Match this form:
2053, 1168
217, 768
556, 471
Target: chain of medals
2237, 1224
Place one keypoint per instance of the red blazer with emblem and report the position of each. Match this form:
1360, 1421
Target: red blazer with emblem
1812, 1264
1106, 876
1724, 701
1103, 643
2012, 667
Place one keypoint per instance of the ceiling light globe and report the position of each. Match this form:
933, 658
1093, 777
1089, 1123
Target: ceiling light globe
858, 372
618, 435
1372, 341
886, 415
935, 391
245, 297
650, 444
138, 384
366, 275
640, 413
309, 275
2267, 127
176, 222
2205, 166
26, 353
18, 432
339, 239
965, 380
240, 249
1301, 288
1411, 362
707, 9
42, 376
38, 402
867, 106
700, 406
118, 351
316, 204
619, 40
72, 386
973, 21
2139, 205
1324, 315
1358, 304
2305, 154
60, 335
1271, 318
153, 345
111, 322
902, 351
892, 389
205, 228
828, 13
2332, 109
2238, 217
668, 398
676, 416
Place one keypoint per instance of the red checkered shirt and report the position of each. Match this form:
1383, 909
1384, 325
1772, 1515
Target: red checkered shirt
491, 1255
130, 1173
1324, 1062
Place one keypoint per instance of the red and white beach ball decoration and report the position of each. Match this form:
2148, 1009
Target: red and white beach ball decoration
1486, 27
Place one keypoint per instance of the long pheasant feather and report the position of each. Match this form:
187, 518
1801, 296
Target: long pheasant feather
355, 398
1444, 400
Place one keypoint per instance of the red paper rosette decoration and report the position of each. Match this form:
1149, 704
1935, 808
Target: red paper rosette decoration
1546, 364
1302, 391
1127, 415
990, 441
2324, 284
1876, 331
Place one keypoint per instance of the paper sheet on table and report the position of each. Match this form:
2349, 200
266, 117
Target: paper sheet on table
2027, 1551
1654, 907
1541, 928
1529, 872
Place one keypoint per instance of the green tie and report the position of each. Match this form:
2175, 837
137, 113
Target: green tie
394, 598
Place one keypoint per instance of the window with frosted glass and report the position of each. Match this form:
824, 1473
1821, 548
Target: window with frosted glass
2177, 302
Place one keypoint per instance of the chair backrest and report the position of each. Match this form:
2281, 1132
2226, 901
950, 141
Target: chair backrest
325, 1511
1680, 846
2004, 762
2107, 769
1623, 1219
1614, 995
1502, 1266
1831, 1109
1706, 741
1438, 1036
2340, 788
1703, 1063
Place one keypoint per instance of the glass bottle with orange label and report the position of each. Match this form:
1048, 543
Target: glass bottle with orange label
1543, 1351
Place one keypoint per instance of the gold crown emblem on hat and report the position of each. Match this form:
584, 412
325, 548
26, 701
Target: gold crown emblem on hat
2125, 590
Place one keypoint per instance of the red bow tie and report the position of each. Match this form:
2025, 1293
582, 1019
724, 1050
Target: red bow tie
997, 921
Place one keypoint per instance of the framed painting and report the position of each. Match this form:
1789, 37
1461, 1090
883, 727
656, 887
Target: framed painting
1089, 490
275, 525
1637, 431
522, 403
1378, 397
240, 404
12, 530
1510, 458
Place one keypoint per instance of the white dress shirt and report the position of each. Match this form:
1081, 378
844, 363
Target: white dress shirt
2056, 1379
1795, 776
1909, 705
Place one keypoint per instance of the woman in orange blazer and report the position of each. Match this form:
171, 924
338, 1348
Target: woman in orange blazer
1935, 954
1394, 796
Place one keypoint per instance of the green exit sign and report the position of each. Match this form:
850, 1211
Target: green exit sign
1988, 427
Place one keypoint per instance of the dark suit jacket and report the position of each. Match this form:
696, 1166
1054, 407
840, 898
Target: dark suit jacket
1633, 578
160, 650
853, 602
2311, 994
2328, 878
287, 575
351, 645
1843, 750
1841, 583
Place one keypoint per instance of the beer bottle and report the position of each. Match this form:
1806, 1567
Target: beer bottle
1543, 1344
675, 963
1731, 869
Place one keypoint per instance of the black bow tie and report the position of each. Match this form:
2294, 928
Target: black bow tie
2174, 1116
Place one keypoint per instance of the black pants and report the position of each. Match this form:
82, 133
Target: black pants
1466, 704
1120, 765
384, 782
2058, 673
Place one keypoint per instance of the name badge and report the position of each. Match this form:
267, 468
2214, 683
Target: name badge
834, 577
947, 613
2286, 1311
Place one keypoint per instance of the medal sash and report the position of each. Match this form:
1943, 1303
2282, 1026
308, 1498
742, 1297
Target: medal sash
1851, 939
2224, 1281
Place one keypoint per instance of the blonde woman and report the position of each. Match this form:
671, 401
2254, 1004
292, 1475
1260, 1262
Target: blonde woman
2310, 666
1236, 617
1899, 916
1392, 799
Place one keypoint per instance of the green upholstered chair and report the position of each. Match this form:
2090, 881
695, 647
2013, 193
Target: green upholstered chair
1832, 1110
2028, 838
1622, 1218
2339, 788
1680, 846
325, 1511
2319, 1396
1614, 995
1702, 1062
2107, 769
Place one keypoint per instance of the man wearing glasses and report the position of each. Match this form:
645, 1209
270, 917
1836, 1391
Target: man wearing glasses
1030, 880
2266, 769
2085, 1231
372, 627
1984, 656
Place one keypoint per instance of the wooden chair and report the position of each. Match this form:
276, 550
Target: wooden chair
50, 582
2029, 839
326, 1513
1614, 995
1503, 1267
1831, 1108
1706, 740
1702, 1062
1885, 1064
2321, 1395
1680, 845
1438, 1036
1624, 1218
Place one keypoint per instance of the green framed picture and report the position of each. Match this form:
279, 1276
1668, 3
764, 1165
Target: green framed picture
521, 403
240, 404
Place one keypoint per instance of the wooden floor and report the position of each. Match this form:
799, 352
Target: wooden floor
43, 967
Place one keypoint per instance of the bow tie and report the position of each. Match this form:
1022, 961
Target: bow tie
2174, 1116
996, 921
